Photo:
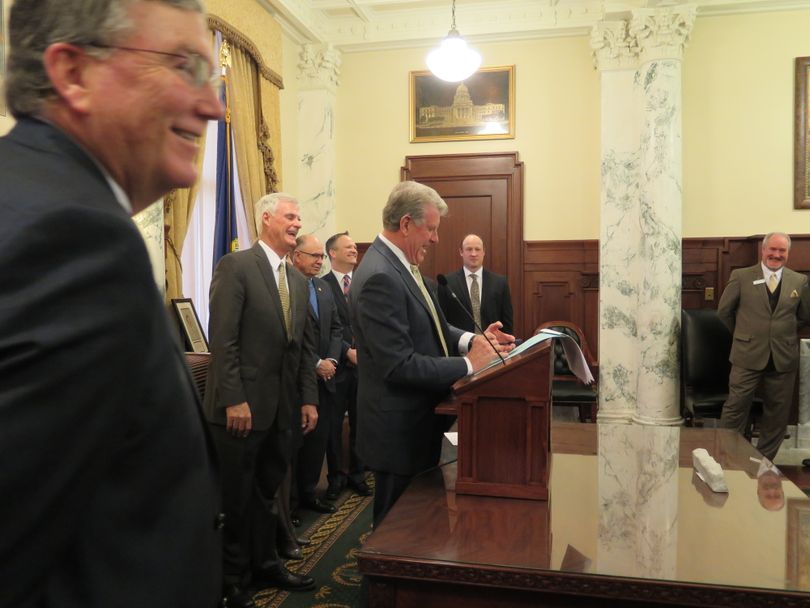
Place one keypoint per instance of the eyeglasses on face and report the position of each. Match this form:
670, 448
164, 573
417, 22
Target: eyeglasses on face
320, 256
196, 69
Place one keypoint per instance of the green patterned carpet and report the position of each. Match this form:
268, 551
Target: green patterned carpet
330, 559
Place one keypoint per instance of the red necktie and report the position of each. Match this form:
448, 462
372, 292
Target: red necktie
347, 280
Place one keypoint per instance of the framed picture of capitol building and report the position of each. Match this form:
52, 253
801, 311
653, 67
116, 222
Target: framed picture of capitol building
481, 107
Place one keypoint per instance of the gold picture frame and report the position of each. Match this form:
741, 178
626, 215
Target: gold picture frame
190, 327
801, 131
798, 543
480, 107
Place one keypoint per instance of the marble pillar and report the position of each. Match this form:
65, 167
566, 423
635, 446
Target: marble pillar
638, 501
661, 35
319, 69
619, 267
640, 220
804, 395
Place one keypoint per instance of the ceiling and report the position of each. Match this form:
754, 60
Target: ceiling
364, 25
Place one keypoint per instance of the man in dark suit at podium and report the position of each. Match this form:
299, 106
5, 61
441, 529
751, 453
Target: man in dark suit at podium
408, 356
485, 294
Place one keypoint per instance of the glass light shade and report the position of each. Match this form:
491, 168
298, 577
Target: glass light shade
453, 61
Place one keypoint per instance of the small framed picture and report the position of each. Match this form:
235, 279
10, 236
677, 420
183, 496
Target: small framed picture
481, 107
190, 326
801, 136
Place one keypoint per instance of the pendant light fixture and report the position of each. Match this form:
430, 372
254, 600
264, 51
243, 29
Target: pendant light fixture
453, 61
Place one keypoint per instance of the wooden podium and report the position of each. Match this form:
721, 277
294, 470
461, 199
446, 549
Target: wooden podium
504, 420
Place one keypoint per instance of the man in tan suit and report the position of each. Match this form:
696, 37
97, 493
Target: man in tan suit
763, 306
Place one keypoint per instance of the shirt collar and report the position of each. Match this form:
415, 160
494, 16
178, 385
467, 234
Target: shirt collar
272, 256
767, 272
339, 275
479, 273
397, 252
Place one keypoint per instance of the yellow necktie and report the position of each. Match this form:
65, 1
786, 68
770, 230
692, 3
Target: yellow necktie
418, 276
475, 300
773, 283
284, 294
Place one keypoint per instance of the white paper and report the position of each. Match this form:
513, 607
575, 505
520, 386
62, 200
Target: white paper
452, 438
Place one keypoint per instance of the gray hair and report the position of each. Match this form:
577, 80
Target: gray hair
268, 204
410, 198
770, 234
34, 25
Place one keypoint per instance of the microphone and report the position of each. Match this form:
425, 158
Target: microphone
442, 280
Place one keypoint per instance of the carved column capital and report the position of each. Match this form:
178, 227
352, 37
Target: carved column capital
613, 47
662, 33
319, 66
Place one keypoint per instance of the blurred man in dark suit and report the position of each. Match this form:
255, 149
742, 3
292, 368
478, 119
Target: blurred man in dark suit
763, 306
261, 382
342, 253
308, 259
408, 356
108, 476
485, 294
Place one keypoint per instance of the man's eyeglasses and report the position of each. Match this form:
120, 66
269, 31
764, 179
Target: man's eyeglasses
196, 69
320, 256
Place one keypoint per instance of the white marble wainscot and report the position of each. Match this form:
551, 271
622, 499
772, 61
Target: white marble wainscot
619, 265
319, 70
638, 500
150, 224
661, 35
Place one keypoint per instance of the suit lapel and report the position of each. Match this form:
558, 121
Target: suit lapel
460, 288
269, 280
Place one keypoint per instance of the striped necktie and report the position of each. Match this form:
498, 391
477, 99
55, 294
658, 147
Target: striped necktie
347, 281
475, 300
418, 276
284, 294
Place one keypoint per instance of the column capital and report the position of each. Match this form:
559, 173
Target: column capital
613, 47
662, 33
319, 66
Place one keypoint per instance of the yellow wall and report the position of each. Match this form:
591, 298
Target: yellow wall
557, 115
738, 124
737, 129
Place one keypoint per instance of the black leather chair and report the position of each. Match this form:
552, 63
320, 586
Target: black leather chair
705, 347
566, 389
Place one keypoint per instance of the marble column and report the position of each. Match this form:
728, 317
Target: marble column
615, 56
661, 35
640, 220
638, 500
319, 69
804, 395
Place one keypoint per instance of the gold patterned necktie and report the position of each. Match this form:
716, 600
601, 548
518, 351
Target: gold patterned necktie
418, 276
475, 299
773, 282
284, 294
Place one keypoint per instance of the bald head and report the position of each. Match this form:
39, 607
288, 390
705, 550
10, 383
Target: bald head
472, 252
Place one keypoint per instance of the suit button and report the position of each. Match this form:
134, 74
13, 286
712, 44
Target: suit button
219, 521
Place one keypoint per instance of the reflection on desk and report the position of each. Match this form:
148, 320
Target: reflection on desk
625, 519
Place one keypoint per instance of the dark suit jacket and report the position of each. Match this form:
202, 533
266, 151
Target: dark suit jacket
345, 368
759, 332
496, 301
403, 373
328, 331
252, 359
108, 476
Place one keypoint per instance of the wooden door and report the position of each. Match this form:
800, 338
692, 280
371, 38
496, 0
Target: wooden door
484, 193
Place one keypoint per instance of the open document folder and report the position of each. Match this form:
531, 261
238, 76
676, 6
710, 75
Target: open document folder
576, 360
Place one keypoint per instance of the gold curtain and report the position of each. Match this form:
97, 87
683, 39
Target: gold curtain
178, 206
246, 123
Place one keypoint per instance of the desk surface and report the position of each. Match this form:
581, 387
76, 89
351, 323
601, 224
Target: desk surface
626, 514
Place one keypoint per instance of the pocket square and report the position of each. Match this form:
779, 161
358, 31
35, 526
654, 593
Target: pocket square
794, 294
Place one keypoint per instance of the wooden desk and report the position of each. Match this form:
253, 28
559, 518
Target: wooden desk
627, 524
